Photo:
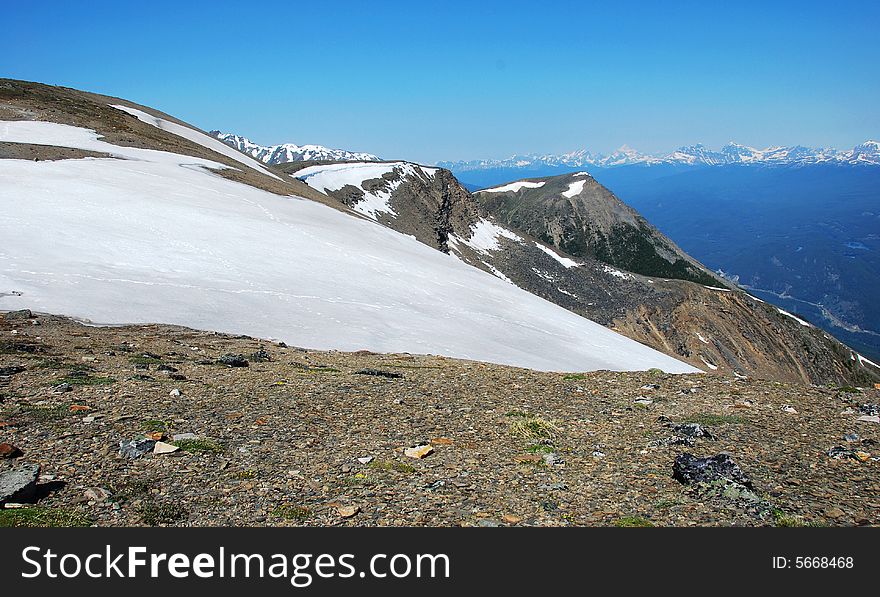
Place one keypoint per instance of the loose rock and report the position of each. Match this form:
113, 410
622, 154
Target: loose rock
19, 485
136, 448
689, 469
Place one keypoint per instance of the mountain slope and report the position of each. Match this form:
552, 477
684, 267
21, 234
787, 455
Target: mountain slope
143, 234
290, 152
714, 328
580, 217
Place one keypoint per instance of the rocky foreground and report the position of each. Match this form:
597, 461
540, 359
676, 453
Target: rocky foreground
161, 425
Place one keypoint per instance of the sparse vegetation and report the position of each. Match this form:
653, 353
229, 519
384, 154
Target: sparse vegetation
292, 512
39, 516
155, 513
200, 445
392, 465
708, 419
533, 427
633, 522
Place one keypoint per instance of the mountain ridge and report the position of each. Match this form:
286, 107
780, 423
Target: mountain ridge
863, 154
291, 152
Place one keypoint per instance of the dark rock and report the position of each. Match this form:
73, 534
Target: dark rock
261, 356
870, 409
22, 314
233, 360
63, 387
167, 368
692, 430
11, 370
689, 469
19, 485
136, 448
178, 376
379, 373
9, 451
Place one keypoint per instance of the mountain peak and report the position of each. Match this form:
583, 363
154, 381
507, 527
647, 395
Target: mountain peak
290, 152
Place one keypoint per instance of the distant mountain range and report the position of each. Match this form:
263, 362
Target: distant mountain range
867, 153
290, 152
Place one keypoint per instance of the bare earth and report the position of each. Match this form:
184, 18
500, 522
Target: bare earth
278, 441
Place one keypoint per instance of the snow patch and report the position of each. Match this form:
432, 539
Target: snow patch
617, 273
795, 317
574, 188
565, 261
514, 186
708, 364
717, 288
158, 238
195, 136
702, 339
485, 236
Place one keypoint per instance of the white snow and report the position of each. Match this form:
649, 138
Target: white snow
333, 177
196, 137
514, 186
795, 317
582, 174
702, 339
158, 238
708, 364
565, 261
571, 294
863, 360
485, 236
717, 288
616, 273
574, 188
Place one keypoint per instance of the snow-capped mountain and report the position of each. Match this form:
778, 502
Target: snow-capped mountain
867, 153
290, 152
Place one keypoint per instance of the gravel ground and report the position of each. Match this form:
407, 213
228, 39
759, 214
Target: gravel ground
278, 442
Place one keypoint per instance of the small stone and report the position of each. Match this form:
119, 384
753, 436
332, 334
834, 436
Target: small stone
76, 408
347, 511
419, 451
345, 468
155, 435
7, 371
869, 419
851, 437
136, 448
175, 393
166, 368
511, 519
643, 401
19, 485
97, 494
365, 459
441, 441
835, 512
10, 451
164, 448
861, 456
529, 458
789, 409
553, 459
63, 387
182, 436
488, 523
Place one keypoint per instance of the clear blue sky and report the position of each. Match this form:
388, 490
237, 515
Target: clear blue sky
460, 80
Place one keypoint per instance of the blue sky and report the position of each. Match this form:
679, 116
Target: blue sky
464, 80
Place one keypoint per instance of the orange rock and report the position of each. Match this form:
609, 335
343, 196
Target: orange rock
155, 435
529, 458
347, 511
511, 519
9, 451
75, 408
441, 441
262, 421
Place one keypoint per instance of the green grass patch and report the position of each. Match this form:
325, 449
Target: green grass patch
666, 504
144, 360
85, 380
710, 419
245, 475
533, 428
52, 363
632, 522
154, 513
392, 465
781, 519
292, 512
540, 449
200, 445
42, 413
157, 425
42, 517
